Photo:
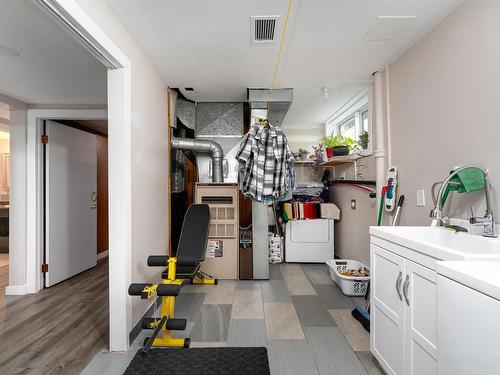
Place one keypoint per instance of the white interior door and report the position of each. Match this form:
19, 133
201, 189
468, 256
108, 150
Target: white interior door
70, 206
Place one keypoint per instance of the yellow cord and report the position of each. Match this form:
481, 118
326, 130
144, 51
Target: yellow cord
279, 56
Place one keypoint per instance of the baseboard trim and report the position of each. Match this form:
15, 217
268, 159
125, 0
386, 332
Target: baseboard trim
102, 255
16, 290
138, 327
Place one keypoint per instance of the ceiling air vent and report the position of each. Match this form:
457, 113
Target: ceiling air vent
264, 29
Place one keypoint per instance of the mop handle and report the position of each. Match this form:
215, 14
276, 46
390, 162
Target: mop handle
398, 210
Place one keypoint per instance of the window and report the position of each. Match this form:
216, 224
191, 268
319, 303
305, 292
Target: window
353, 125
348, 128
351, 121
364, 121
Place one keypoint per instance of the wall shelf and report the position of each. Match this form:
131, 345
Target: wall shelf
352, 182
336, 160
302, 162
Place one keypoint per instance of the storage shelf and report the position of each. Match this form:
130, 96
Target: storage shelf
336, 160
352, 182
308, 161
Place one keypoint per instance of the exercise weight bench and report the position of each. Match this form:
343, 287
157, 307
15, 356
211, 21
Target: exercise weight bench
186, 266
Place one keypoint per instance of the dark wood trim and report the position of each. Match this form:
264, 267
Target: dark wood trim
102, 195
169, 169
44, 201
246, 263
75, 125
246, 117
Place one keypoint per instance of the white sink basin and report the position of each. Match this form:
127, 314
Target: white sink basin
441, 243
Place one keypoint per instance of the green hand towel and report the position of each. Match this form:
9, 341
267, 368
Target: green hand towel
468, 180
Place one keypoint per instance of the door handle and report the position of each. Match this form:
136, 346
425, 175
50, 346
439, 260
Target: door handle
93, 198
398, 285
405, 289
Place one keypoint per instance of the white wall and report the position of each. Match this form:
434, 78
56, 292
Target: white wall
352, 240
17, 201
303, 136
444, 107
149, 151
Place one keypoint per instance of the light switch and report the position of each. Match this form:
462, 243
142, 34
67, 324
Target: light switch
353, 204
420, 198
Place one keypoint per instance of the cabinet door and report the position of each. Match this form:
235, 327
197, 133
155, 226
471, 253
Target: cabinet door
469, 328
419, 292
387, 310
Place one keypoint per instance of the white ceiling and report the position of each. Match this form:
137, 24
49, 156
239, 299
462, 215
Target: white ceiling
205, 44
53, 68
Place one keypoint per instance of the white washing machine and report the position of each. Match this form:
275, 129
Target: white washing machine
309, 241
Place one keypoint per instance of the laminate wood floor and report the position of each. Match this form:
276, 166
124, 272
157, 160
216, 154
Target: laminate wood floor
56, 331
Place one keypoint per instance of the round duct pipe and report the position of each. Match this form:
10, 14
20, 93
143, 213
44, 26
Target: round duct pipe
205, 146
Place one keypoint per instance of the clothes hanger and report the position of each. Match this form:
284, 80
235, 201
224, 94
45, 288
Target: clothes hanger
263, 121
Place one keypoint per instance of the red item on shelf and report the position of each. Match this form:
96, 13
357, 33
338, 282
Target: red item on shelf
310, 210
329, 152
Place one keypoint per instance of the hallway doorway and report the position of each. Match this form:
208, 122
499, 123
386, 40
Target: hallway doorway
75, 199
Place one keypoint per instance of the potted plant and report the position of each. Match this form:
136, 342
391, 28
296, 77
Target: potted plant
303, 154
329, 142
338, 145
320, 153
363, 140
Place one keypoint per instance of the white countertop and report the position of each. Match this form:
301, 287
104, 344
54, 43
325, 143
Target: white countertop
483, 276
441, 243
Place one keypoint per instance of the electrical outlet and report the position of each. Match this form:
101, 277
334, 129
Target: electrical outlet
353, 204
420, 198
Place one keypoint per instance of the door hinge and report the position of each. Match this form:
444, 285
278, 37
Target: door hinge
45, 139
45, 268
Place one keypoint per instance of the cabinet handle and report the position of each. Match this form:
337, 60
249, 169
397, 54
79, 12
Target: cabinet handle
398, 285
405, 289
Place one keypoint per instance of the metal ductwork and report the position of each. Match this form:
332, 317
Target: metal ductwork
205, 146
278, 102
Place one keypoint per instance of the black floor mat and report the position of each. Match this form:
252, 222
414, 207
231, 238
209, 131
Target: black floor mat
201, 361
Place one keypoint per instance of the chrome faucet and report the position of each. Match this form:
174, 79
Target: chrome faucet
488, 221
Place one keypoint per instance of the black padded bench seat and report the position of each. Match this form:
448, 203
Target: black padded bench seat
192, 242
182, 272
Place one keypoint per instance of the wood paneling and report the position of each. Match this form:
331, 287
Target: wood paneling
102, 195
246, 264
169, 182
245, 211
190, 181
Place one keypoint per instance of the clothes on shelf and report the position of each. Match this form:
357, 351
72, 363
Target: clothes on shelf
266, 164
303, 208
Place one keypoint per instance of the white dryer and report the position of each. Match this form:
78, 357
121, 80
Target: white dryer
309, 241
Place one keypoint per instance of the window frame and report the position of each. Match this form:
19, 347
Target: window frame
353, 109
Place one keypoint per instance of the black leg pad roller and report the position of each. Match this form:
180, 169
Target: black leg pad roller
157, 260
175, 324
137, 288
168, 290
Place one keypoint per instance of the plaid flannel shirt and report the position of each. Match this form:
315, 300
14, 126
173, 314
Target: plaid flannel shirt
265, 159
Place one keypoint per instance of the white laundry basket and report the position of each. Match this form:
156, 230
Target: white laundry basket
351, 286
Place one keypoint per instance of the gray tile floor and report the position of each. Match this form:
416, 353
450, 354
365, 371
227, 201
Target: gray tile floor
300, 315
